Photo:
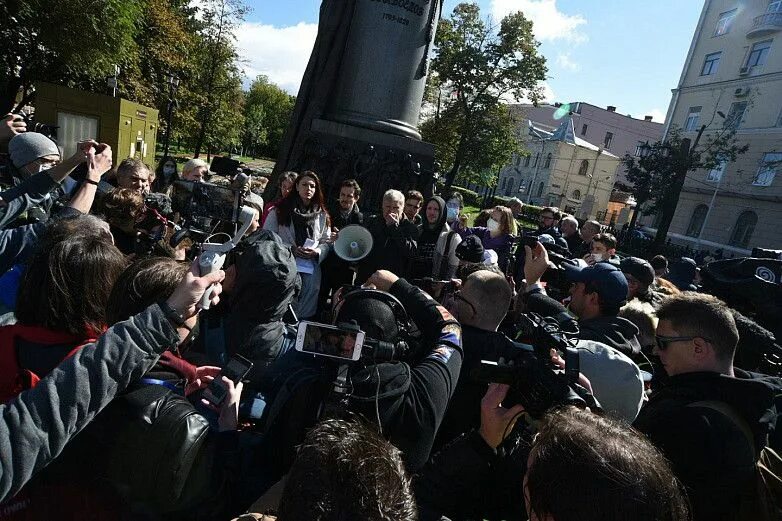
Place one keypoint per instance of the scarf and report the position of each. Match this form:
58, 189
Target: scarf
303, 221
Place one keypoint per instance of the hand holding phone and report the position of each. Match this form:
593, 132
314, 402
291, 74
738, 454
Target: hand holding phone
236, 369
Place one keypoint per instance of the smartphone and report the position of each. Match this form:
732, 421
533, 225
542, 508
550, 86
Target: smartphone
330, 341
236, 369
206, 200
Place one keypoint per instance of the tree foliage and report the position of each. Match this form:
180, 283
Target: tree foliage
267, 109
77, 43
480, 64
658, 178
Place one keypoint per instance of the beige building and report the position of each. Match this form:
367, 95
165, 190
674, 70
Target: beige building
733, 76
561, 170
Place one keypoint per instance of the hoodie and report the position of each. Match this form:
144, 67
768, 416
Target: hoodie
616, 332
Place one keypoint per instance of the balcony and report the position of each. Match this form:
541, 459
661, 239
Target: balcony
765, 24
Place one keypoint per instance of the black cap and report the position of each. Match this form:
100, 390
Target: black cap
470, 249
638, 268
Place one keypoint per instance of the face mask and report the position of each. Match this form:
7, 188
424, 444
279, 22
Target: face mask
492, 225
452, 213
597, 256
168, 170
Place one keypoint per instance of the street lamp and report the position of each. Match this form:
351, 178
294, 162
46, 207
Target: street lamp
173, 85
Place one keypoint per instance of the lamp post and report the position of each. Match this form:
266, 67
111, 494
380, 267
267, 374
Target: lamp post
173, 84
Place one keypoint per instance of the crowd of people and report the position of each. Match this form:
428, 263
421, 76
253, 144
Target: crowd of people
505, 371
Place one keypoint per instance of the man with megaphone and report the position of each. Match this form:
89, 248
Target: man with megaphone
394, 239
336, 271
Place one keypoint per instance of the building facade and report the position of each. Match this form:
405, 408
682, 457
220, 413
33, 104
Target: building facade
614, 132
732, 77
561, 170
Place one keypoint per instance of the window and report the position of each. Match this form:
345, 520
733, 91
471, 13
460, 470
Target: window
547, 164
715, 174
692, 118
638, 148
74, 128
697, 220
735, 115
584, 129
584, 168
768, 169
540, 189
577, 195
774, 6
607, 141
725, 22
504, 183
742, 231
509, 188
758, 54
711, 63
526, 161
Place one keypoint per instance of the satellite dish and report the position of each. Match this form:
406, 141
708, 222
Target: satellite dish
354, 243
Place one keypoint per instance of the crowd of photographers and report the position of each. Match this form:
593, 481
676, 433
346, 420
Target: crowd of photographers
494, 371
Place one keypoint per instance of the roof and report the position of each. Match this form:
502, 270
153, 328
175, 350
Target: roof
564, 133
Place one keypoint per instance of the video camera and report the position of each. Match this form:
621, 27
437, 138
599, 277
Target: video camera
440, 290
535, 381
203, 207
49, 131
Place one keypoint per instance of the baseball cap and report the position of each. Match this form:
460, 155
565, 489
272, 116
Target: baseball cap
638, 268
609, 280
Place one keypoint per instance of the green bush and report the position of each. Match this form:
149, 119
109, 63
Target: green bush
470, 198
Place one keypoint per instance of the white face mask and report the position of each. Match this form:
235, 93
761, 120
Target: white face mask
452, 214
597, 256
492, 225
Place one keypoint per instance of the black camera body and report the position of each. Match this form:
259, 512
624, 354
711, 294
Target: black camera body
535, 382
49, 131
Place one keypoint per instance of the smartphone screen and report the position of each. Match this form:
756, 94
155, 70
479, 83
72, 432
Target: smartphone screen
237, 368
206, 200
327, 340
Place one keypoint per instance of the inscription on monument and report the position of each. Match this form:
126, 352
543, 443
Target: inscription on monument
394, 18
407, 5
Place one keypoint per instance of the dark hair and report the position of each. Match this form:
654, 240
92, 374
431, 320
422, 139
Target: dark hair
143, 283
706, 316
351, 183
121, 204
288, 175
286, 206
66, 284
659, 262
414, 194
345, 471
482, 219
458, 196
606, 239
587, 467
554, 211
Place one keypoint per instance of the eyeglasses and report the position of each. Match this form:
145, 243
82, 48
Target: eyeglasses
457, 295
664, 341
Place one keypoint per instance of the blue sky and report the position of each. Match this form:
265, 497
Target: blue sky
626, 53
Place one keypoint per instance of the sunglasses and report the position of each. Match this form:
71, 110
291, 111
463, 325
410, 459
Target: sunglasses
664, 341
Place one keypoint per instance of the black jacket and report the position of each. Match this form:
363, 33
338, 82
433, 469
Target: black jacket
708, 451
410, 399
338, 221
392, 248
616, 332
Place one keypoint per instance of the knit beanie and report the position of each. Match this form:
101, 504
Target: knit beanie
29, 146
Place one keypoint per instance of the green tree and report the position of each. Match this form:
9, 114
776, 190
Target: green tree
71, 42
658, 176
481, 64
267, 110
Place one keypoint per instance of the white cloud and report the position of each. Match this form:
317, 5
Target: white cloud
549, 23
548, 95
281, 53
567, 63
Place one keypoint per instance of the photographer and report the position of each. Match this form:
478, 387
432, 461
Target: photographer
596, 295
408, 397
37, 173
63, 402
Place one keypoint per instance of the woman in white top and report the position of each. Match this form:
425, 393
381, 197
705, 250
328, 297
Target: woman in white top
302, 222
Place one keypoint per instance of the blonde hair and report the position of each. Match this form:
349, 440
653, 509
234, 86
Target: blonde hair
192, 165
507, 222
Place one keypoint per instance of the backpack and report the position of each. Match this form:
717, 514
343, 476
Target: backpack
13, 377
765, 503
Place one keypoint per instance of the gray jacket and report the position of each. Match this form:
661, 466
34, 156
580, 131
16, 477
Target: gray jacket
38, 423
20, 198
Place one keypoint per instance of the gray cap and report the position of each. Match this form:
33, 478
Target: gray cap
29, 146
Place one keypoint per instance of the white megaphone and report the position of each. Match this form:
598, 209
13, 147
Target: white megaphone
354, 243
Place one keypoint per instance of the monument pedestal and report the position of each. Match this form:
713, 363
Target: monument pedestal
377, 160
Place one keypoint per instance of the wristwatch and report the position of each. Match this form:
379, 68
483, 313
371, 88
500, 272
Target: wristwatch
176, 318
